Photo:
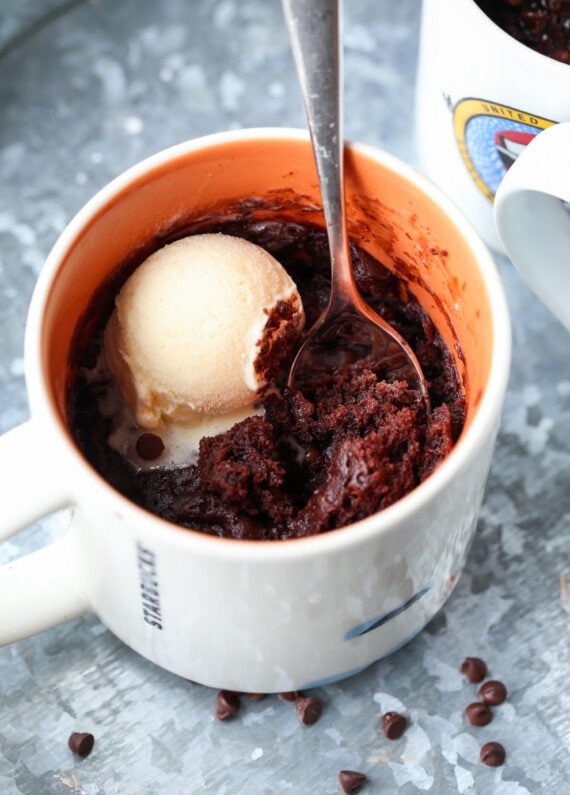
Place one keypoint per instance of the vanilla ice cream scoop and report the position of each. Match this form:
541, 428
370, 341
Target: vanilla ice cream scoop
198, 326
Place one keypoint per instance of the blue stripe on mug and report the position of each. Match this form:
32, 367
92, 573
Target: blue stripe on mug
374, 623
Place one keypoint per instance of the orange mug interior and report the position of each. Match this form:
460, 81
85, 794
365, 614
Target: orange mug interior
388, 215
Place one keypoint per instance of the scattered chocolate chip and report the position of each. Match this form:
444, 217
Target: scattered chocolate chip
149, 446
256, 696
473, 669
393, 725
292, 695
478, 714
309, 709
492, 692
493, 754
227, 704
81, 743
351, 781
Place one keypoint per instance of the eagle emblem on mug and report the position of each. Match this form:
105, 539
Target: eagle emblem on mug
490, 137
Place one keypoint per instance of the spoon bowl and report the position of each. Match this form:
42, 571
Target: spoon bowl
348, 340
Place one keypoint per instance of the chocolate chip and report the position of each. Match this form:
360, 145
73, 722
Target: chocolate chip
351, 781
393, 725
493, 754
149, 446
312, 456
309, 709
81, 743
492, 692
473, 669
256, 696
478, 714
292, 695
227, 704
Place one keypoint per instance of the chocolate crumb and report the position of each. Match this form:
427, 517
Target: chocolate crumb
81, 743
351, 781
478, 714
473, 669
227, 704
292, 695
493, 754
312, 456
393, 725
492, 692
309, 709
149, 446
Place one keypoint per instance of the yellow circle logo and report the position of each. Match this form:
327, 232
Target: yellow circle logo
490, 137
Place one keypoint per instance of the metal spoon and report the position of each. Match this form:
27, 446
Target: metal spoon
349, 329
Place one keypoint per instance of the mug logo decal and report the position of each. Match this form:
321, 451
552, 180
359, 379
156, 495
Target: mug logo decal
490, 137
148, 580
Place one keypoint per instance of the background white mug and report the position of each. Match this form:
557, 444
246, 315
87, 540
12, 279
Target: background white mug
249, 615
532, 215
481, 97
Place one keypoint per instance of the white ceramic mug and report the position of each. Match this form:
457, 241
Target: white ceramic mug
532, 215
481, 97
248, 615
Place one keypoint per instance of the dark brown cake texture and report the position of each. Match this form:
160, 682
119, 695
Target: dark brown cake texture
543, 25
320, 458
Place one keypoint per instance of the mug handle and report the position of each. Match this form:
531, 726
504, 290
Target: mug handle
37, 591
533, 220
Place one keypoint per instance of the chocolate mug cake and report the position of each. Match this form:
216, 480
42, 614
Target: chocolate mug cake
304, 461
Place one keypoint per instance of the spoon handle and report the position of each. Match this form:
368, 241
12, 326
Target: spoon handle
314, 31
